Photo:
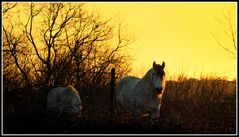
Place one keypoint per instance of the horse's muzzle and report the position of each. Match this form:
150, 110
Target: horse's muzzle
158, 90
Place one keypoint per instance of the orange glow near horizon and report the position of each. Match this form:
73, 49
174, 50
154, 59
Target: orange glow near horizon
179, 34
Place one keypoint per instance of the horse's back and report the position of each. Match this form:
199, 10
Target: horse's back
62, 91
128, 82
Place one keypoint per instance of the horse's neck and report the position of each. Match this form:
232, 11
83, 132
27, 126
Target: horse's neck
145, 82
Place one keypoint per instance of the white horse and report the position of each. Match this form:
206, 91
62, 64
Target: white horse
64, 100
142, 96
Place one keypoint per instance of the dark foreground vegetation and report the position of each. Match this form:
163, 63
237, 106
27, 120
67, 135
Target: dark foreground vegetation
207, 106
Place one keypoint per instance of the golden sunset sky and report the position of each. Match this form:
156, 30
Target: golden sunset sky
181, 34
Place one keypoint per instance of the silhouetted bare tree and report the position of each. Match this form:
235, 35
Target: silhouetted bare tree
15, 52
228, 28
62, 43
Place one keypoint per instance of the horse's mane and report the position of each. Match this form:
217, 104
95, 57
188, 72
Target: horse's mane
148, 74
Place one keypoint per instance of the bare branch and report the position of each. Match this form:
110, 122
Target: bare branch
229, 30
8, 6
219, 43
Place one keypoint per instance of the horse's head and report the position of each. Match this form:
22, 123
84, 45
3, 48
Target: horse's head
158, 80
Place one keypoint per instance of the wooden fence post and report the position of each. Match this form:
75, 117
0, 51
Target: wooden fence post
112, 86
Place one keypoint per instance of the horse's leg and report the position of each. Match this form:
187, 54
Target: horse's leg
154, 118
121, 113
137, 115
155, 112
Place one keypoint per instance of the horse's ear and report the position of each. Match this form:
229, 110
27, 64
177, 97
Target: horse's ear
154, 64
163, 64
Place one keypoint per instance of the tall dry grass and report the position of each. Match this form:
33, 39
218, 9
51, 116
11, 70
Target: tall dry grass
207, 105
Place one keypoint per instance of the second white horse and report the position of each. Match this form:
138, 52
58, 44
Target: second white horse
64, 100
